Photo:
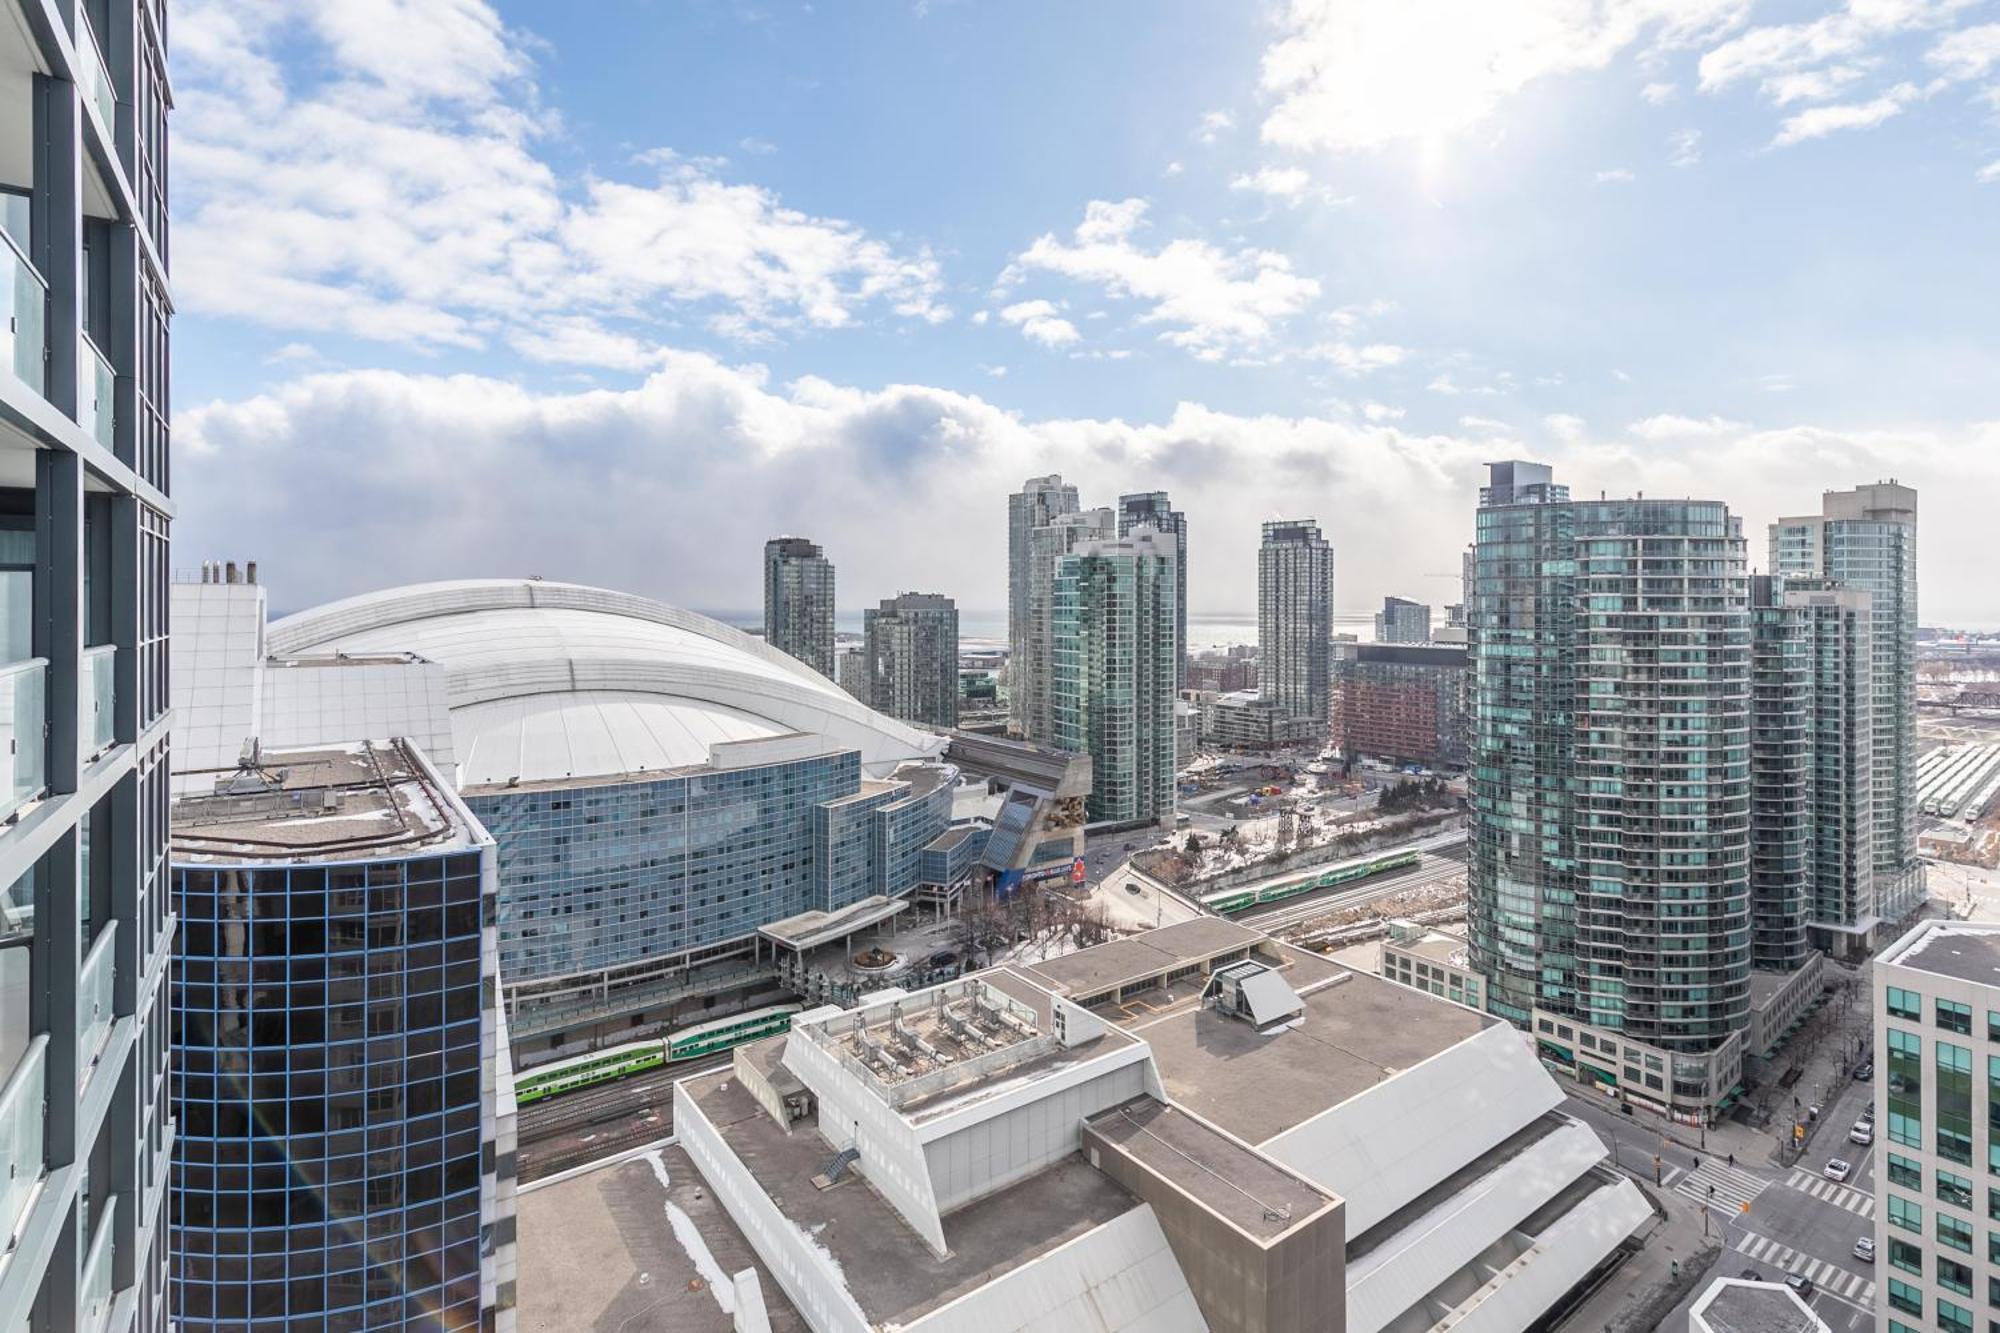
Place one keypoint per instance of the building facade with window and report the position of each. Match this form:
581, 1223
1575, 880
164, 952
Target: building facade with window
86, 1129
798, 602
1152, 509
1039, 502
1937, 1103
910, 647
1404, 702
1402, 621
1295, 618
346, 1152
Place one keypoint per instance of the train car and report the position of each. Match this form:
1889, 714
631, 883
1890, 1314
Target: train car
636, 1057
1225, 901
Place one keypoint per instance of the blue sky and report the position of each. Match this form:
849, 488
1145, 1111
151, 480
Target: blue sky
613, 291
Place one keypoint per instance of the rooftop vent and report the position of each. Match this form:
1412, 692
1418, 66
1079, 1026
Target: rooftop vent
1257, 994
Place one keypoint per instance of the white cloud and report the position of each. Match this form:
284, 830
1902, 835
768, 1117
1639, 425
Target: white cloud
760, 147
1040, 322
1382, 412
1564, 426
1615, 176
1849, 31
1968, 53
1355, 75
1213, 123
981, 316
1820, 121
400, 193
1989, 173
1659, 94
666, 487
1352, 359
1485, 425
1288, 183
1668, 426
1684, 148
294, 354
1810, 85
1215, 300
1173, 169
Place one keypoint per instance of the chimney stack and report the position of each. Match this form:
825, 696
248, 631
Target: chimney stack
229, 572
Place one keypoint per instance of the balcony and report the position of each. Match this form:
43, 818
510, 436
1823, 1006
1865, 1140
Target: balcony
24, 298
24, 690
96, 394
21, 1126
95, 78
97, 701
94, 1016
93, 1288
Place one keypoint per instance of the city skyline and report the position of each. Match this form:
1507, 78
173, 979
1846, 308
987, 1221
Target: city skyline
1624, 256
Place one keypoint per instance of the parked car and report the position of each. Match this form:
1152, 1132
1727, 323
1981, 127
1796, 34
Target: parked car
1864, 1071
1751, 1275
1864, 1249
1837, 1170
1802, 1284
1863, 1133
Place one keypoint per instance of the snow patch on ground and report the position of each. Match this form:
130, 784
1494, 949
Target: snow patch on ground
689, 1236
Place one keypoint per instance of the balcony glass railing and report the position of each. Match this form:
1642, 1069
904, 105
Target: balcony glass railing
97, 700
23, 734
94, 989
96, 77
96, 394
93, 1291
24, 301
21, 1124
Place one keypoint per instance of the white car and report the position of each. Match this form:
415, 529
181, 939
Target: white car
1864, 1249
1863, 1134
1837, 1169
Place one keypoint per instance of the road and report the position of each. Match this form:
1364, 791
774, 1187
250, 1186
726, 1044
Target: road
1798, 1221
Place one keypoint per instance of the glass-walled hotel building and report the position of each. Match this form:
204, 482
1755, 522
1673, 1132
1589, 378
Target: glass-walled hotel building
85, 1127
345, 1159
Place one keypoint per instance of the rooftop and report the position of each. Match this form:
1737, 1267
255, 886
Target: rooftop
1961, 950
888, 1268
368, 799
1440, 946
1242, 1186
1732, 1305
809, 930
1358, 1031
638, 1246
1139, 957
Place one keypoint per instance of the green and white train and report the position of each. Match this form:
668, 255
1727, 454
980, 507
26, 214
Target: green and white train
636, 1057
1225, 901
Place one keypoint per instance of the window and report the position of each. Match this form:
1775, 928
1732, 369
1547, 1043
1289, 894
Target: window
1954, 1190
1904, 1172
1907, 1215
1952, 1232
1954, 1103
1905, 1004
1953, 1318
1906, 1087
1954, 1276
1954, 1017
1904, 1297
1905, 1256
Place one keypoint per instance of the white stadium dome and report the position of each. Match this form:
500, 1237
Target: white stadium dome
549, 682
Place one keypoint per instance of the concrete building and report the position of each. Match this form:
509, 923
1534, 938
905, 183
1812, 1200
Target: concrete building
1113, 685
1034, 674
850, 670
1403, 702
1436, 959
1610, 861
1152, 509
1217, 673
1937, 1042
1244, 721
1034, 798
1036, 505
798, 602
911, 646
1295, 617
661, 787
1865, 540
1733, 1305
1195, 1128
346, 1147
86, 1128
1402, 621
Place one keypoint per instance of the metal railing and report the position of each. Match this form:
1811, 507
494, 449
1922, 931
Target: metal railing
93, 1288
96, 77
96, 393
22, 1122
94, 989
24, 688
97, 700
24, 301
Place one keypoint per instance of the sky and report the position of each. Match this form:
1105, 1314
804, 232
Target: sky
614, 291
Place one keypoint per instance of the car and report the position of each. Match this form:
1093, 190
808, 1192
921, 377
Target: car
1864, 1249
1751, 1275
943, 958
1837, 1170
1131, 886
1863, 1133
1801, 1284
1864, 1072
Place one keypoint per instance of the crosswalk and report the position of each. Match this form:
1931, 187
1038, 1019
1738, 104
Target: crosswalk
1827, 1277
1858, 1202
1733, 1186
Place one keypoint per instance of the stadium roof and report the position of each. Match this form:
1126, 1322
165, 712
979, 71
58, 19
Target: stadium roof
550, 682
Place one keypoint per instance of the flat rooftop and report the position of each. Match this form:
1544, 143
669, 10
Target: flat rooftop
1734, 1306
1438, 946
370, 798
606, 1250
1134, 959
809, 930
889, 1270
1359, 1030
1244, 1187
1961, 950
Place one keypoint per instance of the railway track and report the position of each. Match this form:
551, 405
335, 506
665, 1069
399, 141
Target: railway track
1432, 869
652, 1090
